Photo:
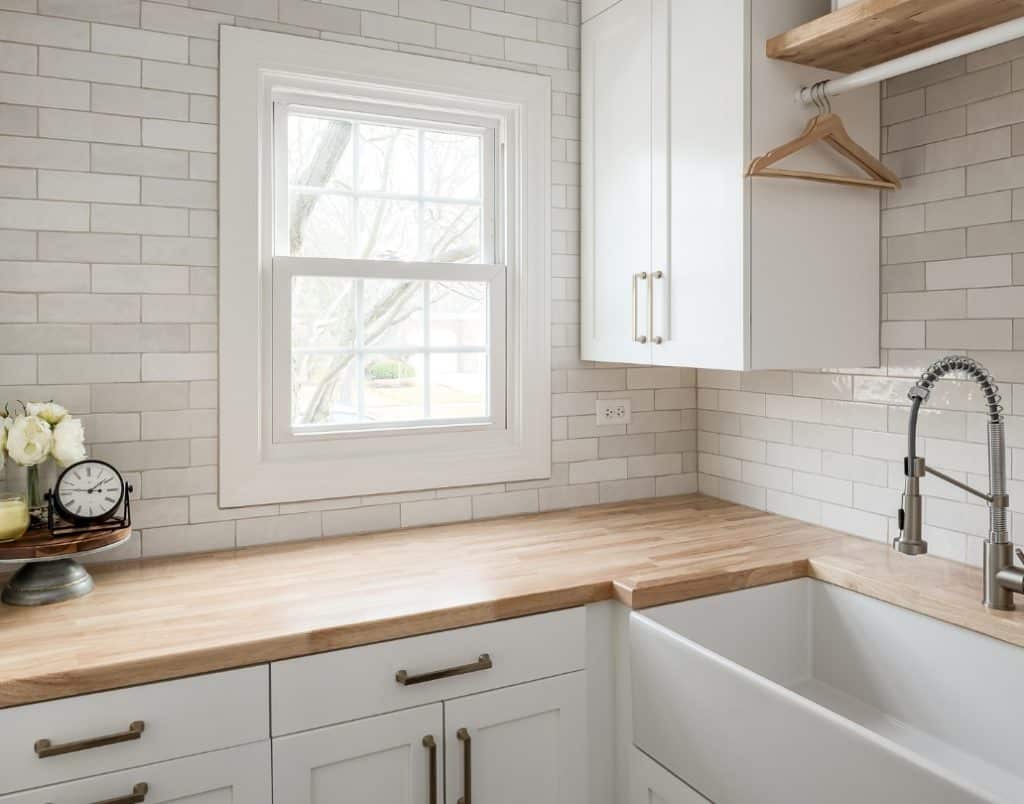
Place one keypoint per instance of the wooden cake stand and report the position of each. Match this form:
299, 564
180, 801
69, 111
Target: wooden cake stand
50, 573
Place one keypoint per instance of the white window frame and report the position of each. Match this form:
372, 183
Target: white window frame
259, 461
284, 268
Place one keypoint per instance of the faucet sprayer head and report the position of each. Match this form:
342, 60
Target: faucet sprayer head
910, 542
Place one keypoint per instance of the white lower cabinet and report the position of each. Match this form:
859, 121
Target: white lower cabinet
494, 713
652, 784
524, 744
231, 776
390, 759
519, 745
71, 738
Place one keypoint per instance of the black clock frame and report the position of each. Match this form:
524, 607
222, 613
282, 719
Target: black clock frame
62, 522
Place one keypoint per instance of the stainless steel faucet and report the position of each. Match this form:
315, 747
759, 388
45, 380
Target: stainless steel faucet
1002, 579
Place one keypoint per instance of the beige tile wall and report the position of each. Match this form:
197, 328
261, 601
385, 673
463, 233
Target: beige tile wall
827, 447
108, 257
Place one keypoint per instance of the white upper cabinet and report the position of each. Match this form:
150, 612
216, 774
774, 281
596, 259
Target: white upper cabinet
685, 261
617, 245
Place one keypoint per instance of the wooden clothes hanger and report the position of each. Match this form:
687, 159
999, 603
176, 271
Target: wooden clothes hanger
827, 128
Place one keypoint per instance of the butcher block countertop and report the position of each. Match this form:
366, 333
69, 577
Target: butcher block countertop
164, 618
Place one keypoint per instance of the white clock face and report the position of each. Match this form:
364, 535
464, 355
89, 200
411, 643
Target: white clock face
90, 490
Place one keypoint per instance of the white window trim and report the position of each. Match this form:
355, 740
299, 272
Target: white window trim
254, 469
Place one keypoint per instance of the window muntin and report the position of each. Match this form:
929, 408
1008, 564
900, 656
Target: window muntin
367, 352
362, 187
372, 348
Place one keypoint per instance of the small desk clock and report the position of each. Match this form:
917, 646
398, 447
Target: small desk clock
88, 496
88, 492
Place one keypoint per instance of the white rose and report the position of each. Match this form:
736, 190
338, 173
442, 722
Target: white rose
29, 440
49, 412
68, 441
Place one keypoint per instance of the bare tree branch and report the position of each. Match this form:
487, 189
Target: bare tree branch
395, 306
329, 150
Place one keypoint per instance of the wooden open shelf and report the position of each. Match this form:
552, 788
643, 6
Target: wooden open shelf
870, 32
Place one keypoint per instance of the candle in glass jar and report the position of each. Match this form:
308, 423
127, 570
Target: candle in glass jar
13, 517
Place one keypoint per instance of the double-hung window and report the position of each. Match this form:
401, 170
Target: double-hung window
389, 282
384, 322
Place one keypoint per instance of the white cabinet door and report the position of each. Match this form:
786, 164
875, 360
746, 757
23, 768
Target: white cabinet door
741, 274
519, 745
701, 302
231, 776
652, 784
384, 760
617, 184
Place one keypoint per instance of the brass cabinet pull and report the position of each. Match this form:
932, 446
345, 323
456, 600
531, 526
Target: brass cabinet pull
482, 663
642, 276
650, 306
431, 744
467, 778
44, 748
137, 796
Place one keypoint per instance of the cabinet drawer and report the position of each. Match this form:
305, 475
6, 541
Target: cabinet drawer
231, 776
185, 716
347, 684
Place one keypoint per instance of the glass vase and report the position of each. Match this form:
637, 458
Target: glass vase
34, 496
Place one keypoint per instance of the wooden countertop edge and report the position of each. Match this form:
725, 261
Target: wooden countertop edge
742, 549
632, 593
46, 686
657, 592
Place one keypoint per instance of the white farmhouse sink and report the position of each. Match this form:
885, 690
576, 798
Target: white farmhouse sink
806, 693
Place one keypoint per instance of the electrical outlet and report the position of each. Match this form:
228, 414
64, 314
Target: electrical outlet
614, 411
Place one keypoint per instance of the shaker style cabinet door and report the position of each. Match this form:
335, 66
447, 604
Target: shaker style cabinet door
617, 184
231, 776
652, 784
519, 745
390, 759
684, 260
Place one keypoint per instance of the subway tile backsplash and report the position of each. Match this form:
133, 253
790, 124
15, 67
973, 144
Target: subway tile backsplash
829, 450
108, 283
108, 258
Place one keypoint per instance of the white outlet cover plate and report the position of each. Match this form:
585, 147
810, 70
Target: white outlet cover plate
614, 411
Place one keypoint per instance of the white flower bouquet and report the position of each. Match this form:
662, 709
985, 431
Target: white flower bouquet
42, 430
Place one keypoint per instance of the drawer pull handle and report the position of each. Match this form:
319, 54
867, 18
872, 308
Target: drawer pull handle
137, 796
467, 778
44, 748
431, 745
482, 663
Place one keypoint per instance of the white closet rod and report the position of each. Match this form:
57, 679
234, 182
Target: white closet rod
979, 40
